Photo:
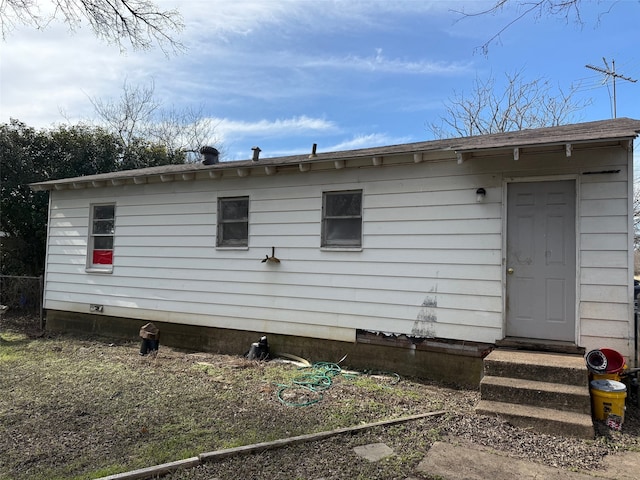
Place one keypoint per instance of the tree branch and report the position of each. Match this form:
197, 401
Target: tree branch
137, 23
552, 7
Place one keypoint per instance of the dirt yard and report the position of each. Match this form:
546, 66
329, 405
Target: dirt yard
79, 408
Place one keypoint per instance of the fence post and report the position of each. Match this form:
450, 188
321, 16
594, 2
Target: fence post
41, 302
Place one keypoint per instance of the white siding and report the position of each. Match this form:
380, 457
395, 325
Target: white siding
606, 308
430, 265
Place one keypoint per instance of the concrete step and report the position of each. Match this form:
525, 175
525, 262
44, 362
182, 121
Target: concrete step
539, 345
537, 366
568, 398
541, 420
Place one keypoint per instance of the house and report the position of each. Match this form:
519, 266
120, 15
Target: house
418, 258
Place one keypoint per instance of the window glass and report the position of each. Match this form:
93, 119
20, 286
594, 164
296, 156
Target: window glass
342, 219
234, 231
343, 204
100, 251
101, 212
347, 229
234, 208
104, 227
233, 222
103, 243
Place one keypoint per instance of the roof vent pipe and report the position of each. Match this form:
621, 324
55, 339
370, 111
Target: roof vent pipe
209, 155
313, 150
256, 153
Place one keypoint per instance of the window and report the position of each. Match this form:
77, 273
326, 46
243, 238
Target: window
233, 222
342, 219
101, 237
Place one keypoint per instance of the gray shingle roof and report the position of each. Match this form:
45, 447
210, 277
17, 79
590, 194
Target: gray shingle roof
591, 132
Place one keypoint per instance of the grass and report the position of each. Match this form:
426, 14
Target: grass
85, 408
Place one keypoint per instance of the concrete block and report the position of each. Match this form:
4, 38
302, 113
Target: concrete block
374, 451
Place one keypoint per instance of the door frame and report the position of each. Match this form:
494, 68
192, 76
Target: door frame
531, 179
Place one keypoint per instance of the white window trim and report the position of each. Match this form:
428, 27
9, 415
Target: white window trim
343, 248
222, 246
90, 266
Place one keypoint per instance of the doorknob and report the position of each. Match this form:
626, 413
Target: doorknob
510, 271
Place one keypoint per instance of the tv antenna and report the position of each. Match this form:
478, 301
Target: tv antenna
611, 73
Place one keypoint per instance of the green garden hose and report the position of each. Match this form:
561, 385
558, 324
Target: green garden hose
317, 380
311, 383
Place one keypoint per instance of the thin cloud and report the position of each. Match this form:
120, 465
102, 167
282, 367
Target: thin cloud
235, 132
232, 131
46, 72
367, 141
380, 63
355, 143
278, 127
232, 18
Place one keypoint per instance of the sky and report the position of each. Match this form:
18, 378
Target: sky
343, 74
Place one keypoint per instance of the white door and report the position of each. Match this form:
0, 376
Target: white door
541, 260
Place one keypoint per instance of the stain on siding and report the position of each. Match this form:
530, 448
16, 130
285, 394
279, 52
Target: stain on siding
430, 302
427, 316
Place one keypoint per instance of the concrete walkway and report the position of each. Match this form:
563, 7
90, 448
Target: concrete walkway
457, 462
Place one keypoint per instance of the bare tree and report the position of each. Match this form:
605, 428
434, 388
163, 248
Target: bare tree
520, 104
140, 23
129, 116
567, 9
137, 114
186, 130
537, 8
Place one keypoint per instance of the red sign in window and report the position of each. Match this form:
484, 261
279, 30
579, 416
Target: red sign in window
103, 257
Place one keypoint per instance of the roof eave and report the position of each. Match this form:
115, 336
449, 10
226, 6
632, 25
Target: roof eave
619, 130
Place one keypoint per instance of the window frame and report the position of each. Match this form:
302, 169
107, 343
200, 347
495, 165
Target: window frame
340, 244
99, 267
221, 241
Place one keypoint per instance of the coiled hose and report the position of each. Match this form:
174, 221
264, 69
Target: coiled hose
312, 383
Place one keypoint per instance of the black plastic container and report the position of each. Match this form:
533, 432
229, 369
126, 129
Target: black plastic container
149, 345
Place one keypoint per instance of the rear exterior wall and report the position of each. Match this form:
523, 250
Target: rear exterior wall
431, 263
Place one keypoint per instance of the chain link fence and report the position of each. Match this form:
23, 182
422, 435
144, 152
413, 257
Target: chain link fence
21, 298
